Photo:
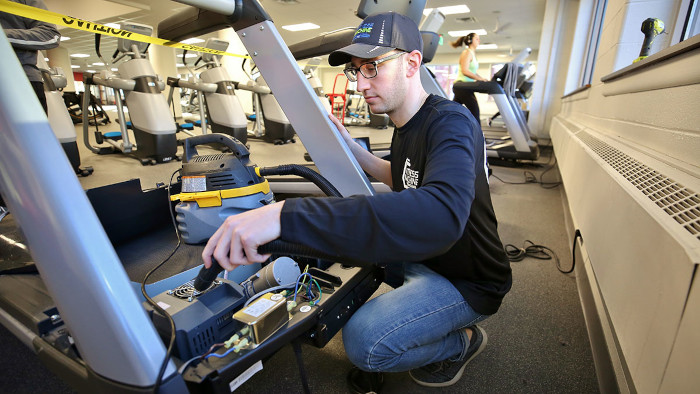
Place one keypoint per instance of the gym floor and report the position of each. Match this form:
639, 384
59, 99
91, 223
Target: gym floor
537, 341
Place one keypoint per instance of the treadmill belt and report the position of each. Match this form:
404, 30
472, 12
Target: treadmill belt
141, 254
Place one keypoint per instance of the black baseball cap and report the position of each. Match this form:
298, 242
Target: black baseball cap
379, 34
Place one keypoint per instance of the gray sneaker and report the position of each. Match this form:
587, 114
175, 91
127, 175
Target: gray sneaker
446, 373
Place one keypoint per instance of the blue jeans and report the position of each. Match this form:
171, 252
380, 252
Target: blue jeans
416, 324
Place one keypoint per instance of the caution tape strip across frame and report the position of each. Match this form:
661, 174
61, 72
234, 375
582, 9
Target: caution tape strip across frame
92, 27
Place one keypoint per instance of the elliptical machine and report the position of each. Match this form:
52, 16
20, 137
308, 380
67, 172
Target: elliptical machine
278, 129
224, 111
59, 118
153, 128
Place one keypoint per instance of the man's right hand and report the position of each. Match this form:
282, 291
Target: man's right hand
343, 131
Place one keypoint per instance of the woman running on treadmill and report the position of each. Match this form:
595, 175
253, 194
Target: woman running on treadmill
467, 72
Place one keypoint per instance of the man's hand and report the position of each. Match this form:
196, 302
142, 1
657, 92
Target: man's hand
343, 131
236, 241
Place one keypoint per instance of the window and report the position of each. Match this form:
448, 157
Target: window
692, 22
592, 43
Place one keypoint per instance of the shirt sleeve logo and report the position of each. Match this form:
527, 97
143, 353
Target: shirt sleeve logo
410, 177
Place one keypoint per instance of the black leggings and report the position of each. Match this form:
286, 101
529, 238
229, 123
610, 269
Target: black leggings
469, 101
40, 94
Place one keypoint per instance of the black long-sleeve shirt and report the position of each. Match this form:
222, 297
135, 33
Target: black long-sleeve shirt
439, 215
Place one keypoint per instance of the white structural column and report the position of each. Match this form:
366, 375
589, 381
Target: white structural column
58, 57
164, 63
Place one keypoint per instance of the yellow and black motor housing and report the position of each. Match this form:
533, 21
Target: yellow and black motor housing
216, 186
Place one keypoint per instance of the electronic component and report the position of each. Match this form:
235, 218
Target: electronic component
201, 319
264, 316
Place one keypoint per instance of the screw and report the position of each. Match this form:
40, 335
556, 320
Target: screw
262, 28
255, 54
170, 292
243, 35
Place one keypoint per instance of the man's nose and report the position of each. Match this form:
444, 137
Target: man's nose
362, 83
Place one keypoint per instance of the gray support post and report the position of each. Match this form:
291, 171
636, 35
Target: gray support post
429, 83
303, 109
519, 136
72, 252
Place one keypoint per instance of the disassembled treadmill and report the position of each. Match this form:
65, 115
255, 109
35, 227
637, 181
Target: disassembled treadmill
82, 313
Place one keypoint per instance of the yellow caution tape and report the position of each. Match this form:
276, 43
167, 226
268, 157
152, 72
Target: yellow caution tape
81, 24
213, 198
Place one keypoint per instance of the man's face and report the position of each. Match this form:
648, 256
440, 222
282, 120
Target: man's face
386, 91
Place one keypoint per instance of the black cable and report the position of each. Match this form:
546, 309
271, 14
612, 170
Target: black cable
530, 177
549, 185
154, 304
577, 235
531, 249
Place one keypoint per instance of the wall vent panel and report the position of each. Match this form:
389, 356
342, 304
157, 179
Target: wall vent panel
676, 200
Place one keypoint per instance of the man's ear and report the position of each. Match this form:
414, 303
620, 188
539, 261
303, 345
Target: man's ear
415, 59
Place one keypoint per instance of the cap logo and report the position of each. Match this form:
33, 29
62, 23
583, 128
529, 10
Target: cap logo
363, 31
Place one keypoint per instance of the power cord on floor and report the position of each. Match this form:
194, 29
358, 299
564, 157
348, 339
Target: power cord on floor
531, 249
530, 177
157, 307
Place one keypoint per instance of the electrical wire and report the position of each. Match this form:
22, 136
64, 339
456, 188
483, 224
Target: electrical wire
226, 353
320, 293
530, 177
154, 304
211, 349
257, 295
296, 287
531, 249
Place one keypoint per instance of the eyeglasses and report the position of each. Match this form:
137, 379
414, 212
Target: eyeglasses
369, 69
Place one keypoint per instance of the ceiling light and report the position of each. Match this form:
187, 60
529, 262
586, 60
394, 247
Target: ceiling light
180, 65
192, 40
65, 38
113, 25
80, 55
114, 69
301, 26
131, 3
488, 46
98, 64
91, 71
74, 66
462, 33
46, 59
449, 10
191, 55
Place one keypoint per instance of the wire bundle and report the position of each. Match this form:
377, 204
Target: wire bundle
531, 249
310, 296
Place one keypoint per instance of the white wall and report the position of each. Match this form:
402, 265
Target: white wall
635, 226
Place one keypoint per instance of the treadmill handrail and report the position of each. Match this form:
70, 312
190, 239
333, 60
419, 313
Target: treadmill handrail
323, 44
490, 87
72, 252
